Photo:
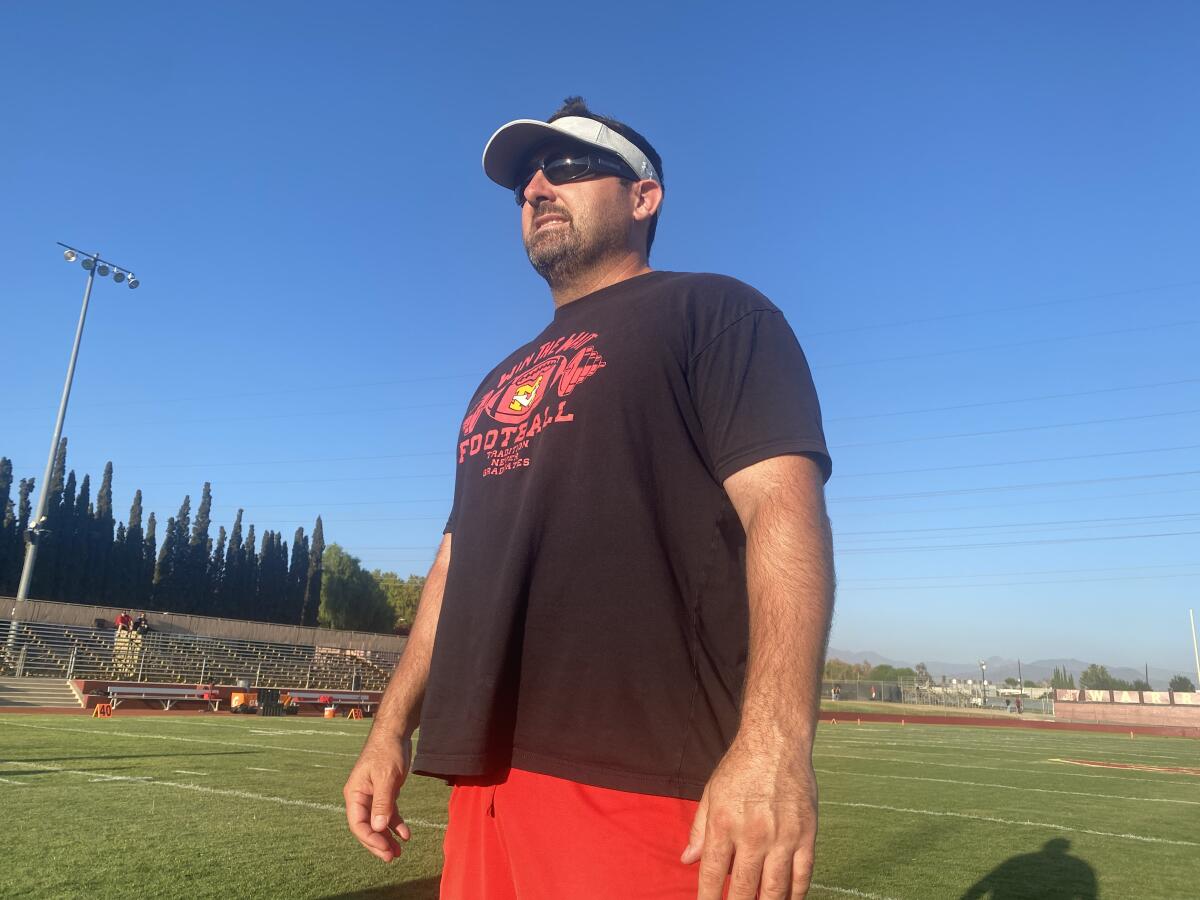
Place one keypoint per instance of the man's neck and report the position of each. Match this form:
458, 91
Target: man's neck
606, 274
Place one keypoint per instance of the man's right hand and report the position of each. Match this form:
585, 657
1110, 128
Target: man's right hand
370, 794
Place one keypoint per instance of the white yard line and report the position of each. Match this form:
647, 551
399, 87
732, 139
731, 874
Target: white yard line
220, 792
1008, 769
257, 769
1009, 787
10, 781
102, 731
1057, 827
189, 772
1009, 736
1031, 749
848, 892
255, 728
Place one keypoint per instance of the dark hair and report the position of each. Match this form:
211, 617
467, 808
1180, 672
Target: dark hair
575, 106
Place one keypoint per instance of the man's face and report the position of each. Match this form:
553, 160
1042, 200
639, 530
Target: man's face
568, 228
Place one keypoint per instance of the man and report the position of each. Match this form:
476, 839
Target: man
617, 657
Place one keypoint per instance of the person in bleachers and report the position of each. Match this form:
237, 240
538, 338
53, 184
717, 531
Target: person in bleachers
124, 622
140, 624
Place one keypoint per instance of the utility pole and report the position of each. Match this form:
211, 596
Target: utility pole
1195, 652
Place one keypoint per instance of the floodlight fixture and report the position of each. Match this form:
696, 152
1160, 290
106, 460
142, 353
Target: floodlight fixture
93, 265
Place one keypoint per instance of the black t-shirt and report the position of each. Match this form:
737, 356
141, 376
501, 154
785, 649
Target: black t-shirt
595, 624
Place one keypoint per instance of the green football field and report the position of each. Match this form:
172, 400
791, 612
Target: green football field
225, 806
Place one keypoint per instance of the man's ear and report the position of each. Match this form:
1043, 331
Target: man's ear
648, 197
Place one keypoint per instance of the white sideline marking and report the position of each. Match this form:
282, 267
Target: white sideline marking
183, 720
187, 772
1029, 749
1009, 769
849, 892
257, 769
10, 781
957, 815
1021, 738
1010, 787
199, 788
163, 737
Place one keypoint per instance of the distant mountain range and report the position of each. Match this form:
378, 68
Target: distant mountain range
999, 668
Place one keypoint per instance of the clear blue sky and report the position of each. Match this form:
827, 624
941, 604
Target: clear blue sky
980, 219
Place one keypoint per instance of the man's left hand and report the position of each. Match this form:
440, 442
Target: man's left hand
758, 815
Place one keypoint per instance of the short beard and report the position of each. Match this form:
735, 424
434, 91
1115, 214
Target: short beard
564, 256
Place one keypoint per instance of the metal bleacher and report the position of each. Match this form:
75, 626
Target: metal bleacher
71, 651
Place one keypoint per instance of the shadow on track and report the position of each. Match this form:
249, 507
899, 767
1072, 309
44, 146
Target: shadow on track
1049, 874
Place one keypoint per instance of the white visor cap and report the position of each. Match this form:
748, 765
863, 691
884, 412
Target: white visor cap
509, 148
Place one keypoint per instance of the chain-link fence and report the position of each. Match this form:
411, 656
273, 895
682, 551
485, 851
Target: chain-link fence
953, 694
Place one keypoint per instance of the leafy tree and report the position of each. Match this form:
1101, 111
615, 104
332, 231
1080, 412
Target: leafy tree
231, 581
100, 540
1181, 684
840, 670
194, 590
885, 672
1011, 682
1061, 679
311, 606
216, 573
1098, 678
923, 676
8, 523
148, 554
403, 595
297, 578
350, 597
1140, 684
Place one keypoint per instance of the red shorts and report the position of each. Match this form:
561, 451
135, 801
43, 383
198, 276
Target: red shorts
535, 837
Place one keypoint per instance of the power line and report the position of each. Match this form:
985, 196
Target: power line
1020, 462
983, 403
1040, 542
1023, 574
308, 389
1057, 501
942, 437
899, 323
960, 587
1059, 522
1007, 346
1035, 485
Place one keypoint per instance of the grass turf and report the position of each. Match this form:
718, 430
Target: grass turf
223, 806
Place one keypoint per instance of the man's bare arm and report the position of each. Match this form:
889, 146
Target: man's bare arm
759, 810
386, 758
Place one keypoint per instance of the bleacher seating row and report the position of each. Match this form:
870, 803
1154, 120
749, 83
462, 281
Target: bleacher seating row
69, 651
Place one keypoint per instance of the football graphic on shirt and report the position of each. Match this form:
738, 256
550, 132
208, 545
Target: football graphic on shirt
524, 395
517, 400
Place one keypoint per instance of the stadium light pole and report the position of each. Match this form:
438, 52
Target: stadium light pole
93, 265
983, 683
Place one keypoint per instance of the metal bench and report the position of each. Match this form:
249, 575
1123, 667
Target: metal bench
336, 698
168, 697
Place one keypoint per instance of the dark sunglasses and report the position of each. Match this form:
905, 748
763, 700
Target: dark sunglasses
559, 169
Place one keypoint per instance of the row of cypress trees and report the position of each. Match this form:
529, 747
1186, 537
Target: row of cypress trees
86, 556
